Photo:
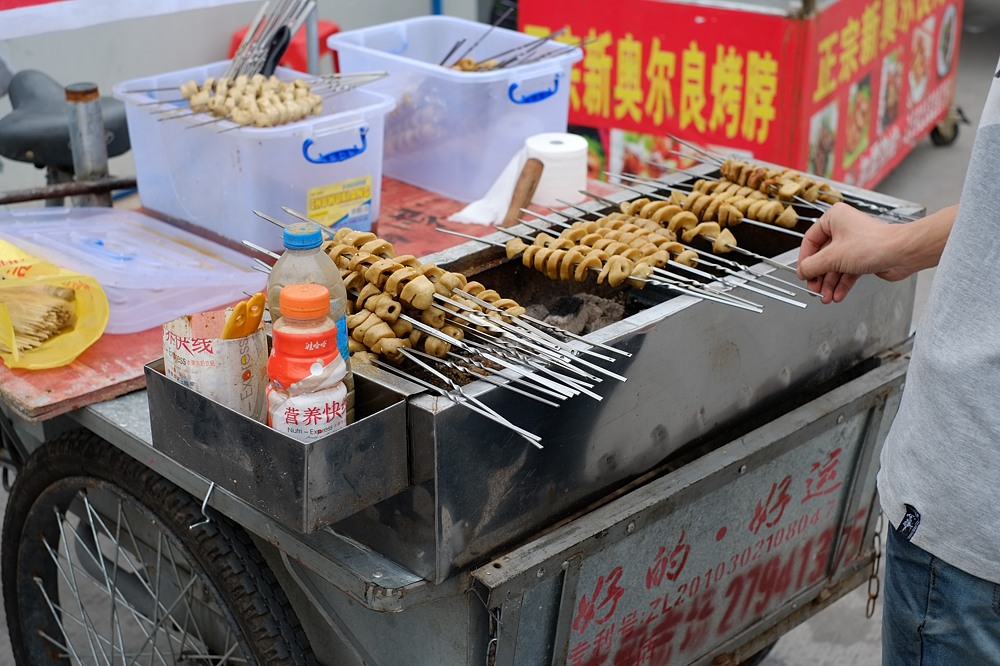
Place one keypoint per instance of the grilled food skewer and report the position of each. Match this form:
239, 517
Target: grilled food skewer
744, 220
714, 262
688, 290
681, 186
733, 247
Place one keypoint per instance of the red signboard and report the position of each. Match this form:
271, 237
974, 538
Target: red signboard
845, 92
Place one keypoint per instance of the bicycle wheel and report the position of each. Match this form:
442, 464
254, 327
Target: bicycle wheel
100, 566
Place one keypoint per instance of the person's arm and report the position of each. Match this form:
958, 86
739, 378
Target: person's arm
845, 244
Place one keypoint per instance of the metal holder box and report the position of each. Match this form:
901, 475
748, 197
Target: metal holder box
302, 485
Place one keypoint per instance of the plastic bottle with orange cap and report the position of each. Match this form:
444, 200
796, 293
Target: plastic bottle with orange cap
305, 261
306, 396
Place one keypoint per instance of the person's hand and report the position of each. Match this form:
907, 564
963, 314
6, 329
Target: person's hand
843, 245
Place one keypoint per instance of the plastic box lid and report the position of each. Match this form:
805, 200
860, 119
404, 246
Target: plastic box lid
152, 271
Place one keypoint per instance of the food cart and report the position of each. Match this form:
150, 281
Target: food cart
715, 488
722, 494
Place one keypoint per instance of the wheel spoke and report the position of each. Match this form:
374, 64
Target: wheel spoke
71, 580
63, 613
159, 622
107, 573
114, 593
69, 649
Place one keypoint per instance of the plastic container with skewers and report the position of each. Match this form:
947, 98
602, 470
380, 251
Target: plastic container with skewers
454, 131
213, 173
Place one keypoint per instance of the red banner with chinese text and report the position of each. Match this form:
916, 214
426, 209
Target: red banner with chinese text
768, 86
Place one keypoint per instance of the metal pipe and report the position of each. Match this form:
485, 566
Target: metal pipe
67, 189
88, 141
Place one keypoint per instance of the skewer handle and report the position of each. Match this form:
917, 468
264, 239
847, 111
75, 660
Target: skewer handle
524, 190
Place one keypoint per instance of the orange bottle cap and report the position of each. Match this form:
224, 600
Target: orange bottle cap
304, 301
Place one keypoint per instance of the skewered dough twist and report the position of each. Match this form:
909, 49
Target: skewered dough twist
256, 101
385, 287
786, 183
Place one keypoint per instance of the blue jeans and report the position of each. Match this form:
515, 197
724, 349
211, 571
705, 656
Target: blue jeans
935, 614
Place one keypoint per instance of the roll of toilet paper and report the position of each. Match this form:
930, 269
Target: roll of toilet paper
565, 174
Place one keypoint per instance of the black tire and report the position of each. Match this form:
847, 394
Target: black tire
945, 133
208, 590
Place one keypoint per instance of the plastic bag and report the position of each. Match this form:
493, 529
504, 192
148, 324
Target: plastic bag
86, 320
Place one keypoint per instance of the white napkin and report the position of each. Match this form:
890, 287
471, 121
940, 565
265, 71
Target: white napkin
564, 157
492, 208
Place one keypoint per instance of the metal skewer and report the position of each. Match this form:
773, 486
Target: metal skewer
262, 250
761, 257
859, 202
488, 377
492, 376
314, 82
542, 335
546, 337
530, 46
546, 218
517, 360
538, 347
458, 397
454, 48
680, 265
710, 156
714, 262
484, 35
816, 205
305, 218
510, 361
261, 265
742, 267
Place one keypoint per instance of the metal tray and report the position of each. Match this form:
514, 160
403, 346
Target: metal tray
302, 485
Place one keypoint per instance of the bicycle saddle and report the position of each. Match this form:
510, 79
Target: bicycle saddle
37, 129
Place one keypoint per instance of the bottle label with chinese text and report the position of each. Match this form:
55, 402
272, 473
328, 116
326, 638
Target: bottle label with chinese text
309, 416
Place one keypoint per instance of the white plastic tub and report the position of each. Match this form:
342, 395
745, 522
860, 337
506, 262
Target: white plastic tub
215, 175
453, 132
151, 271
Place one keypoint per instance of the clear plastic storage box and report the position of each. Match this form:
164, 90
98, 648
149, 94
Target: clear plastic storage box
152, 272
453, 132
215, 174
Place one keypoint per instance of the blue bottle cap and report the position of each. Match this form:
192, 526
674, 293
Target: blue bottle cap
302, 236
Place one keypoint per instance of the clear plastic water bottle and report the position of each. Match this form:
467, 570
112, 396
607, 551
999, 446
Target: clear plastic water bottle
306, 396
302, 262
